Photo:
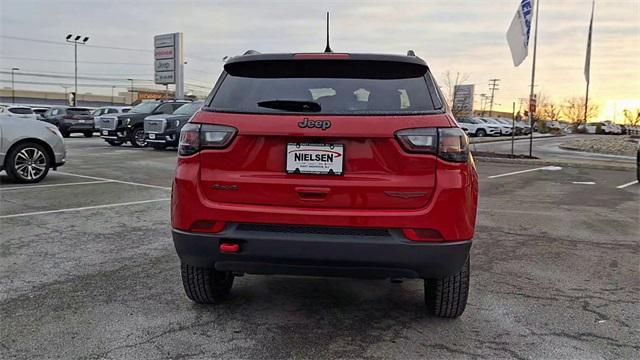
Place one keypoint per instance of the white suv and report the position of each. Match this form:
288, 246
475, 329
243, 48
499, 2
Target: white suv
23, 112
504, 128
477, 127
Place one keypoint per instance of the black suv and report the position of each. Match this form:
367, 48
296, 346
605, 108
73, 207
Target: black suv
70, 120
161, 131
116, 130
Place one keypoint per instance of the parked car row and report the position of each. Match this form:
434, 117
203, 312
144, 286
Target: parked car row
156, 123
602, 127
487, 126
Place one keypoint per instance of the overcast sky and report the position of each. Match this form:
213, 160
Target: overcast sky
465, 36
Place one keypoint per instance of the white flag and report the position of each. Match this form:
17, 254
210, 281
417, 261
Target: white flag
519, 30
587, 60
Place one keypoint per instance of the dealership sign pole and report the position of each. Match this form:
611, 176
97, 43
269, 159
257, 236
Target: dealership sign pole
169, 61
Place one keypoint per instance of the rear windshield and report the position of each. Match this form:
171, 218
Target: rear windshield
188, 109
78, 111
344, 93
144, 107
20, 111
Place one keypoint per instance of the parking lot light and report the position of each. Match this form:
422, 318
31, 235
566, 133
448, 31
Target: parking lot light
75, 42
13, 89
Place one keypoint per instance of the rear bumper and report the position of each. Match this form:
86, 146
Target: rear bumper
269, 252
87, 126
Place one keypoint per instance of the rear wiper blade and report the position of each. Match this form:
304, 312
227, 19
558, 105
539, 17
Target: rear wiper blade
291, 105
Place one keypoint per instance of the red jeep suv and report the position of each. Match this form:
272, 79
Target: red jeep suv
325, 164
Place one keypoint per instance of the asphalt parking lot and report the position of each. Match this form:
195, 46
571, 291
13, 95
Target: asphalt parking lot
88, 270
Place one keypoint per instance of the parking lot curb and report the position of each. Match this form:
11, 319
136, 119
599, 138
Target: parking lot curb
544, 162
509, 139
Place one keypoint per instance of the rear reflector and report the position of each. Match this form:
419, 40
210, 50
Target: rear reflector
321, 56
228, 248
422, 235
207, 226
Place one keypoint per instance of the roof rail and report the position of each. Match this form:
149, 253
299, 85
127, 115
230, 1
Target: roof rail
411, 53
251, 52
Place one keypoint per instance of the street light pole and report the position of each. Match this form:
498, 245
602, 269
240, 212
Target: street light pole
75, 43
13, 88
131, 92
112, 88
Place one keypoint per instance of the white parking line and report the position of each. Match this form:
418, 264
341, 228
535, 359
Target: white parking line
552, 168
81, 208
114, 180
583, 182
627, 184
52, 185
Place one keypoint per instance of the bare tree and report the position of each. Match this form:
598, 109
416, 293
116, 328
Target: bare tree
632, 116
547, 109
450, 81
573, 110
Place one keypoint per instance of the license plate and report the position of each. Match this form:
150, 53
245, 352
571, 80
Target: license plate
81, 121
326, 159
152, 136
105, 132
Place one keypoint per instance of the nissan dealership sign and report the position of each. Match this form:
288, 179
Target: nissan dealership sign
169, 61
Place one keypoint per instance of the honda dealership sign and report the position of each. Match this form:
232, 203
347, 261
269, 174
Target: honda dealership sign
169, 61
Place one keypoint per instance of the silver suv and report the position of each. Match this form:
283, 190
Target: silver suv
29, 148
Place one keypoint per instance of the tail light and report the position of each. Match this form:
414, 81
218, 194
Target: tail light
194, 137
449, 144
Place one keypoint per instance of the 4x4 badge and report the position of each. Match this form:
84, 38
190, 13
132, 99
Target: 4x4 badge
320, 124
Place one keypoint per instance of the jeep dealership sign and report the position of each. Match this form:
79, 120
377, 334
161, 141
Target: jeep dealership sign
169, 61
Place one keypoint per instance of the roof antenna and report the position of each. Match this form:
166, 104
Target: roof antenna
328, 49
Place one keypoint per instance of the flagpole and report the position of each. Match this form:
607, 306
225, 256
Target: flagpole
586, 102
533, 77
588, 65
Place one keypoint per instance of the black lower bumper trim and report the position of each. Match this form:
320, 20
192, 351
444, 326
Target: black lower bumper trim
390, 256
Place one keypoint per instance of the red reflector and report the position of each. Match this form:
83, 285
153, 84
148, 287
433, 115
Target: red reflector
207, 226
321, 56
229, 248
422, 234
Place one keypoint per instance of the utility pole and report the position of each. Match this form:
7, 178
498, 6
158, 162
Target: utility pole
13, 88
493, 86
483, 103
75, 43
112, 88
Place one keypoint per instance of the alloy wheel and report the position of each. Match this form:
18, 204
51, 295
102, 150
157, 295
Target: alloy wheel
139, 138
30, 163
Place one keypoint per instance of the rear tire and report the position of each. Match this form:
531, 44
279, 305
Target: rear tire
447, 297
27, 163
88, 134
204, 285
